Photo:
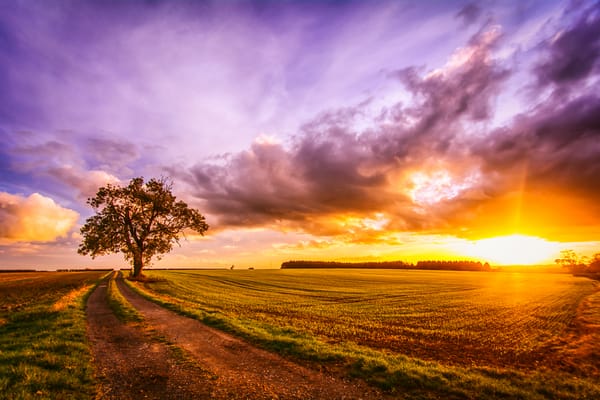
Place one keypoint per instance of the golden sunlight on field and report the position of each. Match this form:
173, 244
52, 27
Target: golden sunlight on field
514, 250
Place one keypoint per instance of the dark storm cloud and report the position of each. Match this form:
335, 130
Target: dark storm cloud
461, 93
269, 183
559, 139
336, 156
559, 142
253, 187
572, 54
469, 14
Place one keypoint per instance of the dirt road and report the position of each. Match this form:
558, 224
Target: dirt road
130, 364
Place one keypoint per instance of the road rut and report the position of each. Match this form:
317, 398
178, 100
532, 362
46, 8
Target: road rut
241, 370
130, 364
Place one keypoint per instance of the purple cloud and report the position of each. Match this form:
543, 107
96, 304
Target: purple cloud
572, 54
331, 169
470, 13
58, 167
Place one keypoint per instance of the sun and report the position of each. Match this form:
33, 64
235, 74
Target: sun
515, 250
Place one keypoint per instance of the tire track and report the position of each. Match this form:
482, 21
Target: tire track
129, 364
242, 370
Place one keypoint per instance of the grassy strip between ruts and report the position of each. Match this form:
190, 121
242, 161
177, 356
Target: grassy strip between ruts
119, 305
404, 376
43, 346
126, 313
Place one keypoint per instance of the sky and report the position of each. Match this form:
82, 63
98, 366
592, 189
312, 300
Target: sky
306, 130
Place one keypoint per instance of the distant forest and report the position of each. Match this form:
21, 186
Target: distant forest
461, 265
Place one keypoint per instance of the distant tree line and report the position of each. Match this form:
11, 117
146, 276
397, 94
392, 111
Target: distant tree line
336, 264
461, 265
576, 264
18, 270
83, 269
57, 270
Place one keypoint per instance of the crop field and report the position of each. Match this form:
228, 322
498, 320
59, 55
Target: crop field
43, 351
400, 327
416, 334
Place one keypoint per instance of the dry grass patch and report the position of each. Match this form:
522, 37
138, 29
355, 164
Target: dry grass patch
71, 298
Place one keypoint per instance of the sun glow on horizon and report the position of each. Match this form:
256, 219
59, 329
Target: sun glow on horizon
514, 250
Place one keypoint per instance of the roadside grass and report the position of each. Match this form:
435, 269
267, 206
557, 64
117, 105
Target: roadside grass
44, 351
390, 370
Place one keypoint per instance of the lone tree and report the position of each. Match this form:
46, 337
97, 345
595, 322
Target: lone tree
139, 220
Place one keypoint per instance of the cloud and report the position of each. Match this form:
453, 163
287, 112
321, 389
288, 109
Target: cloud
331, 173
558, 140
550, 154
268, 183
169, 75
463, 88
469, 14
384, 141
433, 164
87, 183
113, 155
572, 53
63, 164
33, 219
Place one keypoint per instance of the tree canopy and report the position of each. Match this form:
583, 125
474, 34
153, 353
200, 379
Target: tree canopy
140, 220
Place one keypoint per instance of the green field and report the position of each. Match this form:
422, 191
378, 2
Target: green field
458, 333
43, 346
417, 334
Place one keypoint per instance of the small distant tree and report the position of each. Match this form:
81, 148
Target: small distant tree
140, 220
595, 264
567, 257
572, 262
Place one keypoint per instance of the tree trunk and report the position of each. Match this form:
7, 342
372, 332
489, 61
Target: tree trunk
138, 264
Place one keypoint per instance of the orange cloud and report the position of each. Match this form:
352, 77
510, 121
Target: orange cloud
33, 219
